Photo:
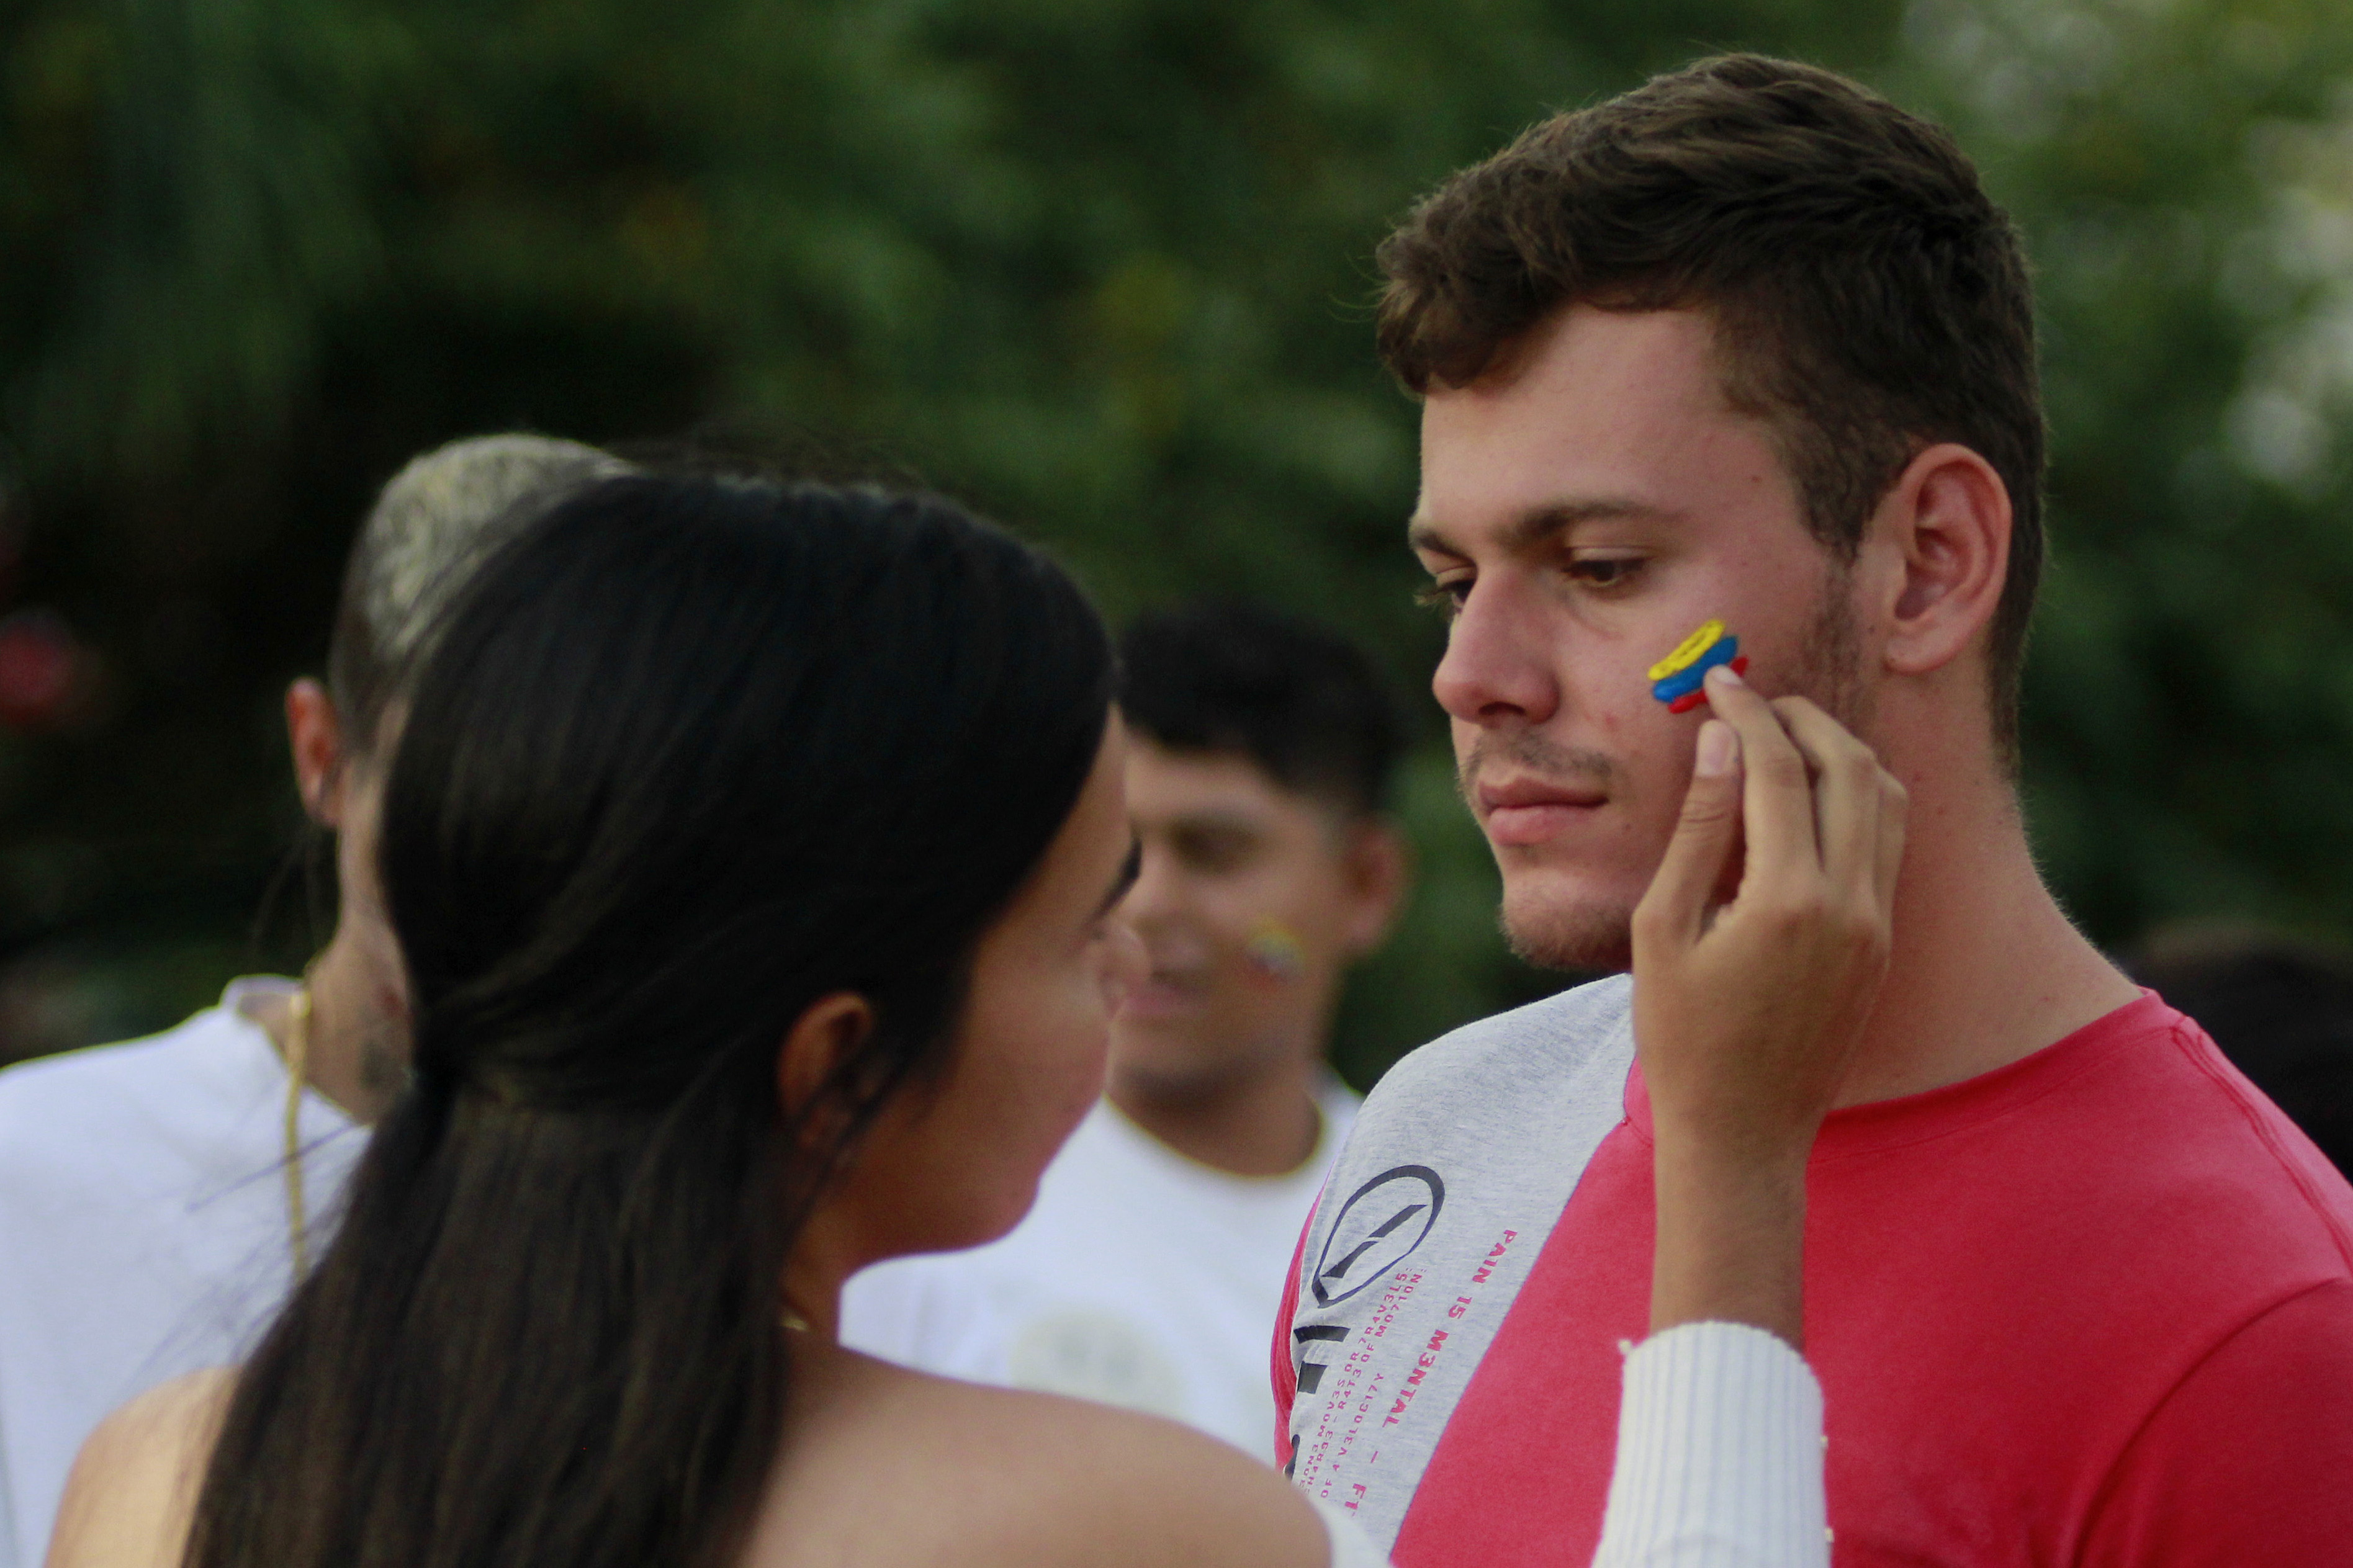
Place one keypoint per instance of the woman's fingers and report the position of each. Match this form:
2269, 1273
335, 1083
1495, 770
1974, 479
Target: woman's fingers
1705, 838
1847, 796
1822, 822
1776, 797
1861, 806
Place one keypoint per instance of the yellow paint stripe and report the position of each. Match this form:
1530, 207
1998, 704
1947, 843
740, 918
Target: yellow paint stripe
1687, 652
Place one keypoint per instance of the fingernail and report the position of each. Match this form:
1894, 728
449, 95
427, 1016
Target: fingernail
1725, 675
1718, 748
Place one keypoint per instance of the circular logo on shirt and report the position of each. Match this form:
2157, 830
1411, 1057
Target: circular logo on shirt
1380, 1226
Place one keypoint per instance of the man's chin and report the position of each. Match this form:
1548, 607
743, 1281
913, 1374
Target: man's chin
1589, 936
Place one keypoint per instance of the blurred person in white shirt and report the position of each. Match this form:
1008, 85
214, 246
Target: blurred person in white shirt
158, 1196
1149, 1273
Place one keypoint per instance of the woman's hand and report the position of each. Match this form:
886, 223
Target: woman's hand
1758, 953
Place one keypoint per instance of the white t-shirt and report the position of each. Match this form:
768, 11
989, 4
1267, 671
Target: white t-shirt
142, 1230
1141, 1279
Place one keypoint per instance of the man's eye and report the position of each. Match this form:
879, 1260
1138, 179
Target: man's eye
1604, 571
1215, 851
1446, 597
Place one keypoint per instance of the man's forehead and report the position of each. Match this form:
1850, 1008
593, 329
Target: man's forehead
1224, 771
1614, 361
1534, 526
1210, 786
1613, 418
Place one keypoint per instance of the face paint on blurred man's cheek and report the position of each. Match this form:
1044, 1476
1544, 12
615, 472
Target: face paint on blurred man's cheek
1274, 952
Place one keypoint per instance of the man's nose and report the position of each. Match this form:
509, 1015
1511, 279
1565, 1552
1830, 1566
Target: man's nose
1498, 667
1154, 896
1128, 964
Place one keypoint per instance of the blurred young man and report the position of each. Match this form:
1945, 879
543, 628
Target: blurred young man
1750, 344
1152, 1264
157, 1197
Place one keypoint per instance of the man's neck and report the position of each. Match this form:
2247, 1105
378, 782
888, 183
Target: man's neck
1986, 969
344, 1055
1264, 1124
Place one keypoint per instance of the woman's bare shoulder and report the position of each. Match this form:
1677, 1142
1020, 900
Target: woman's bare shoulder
887, 1466
134, 1487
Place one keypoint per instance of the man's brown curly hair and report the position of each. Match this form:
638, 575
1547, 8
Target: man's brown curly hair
1870, 298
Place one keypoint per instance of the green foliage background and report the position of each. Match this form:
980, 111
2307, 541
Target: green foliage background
1101, 266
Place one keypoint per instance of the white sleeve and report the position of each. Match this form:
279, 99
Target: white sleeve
1351, 1547
1719, 1455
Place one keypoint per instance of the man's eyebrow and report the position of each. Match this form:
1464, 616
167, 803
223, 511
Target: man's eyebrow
1129, 871
1214, 820
1422, 535
1538, 524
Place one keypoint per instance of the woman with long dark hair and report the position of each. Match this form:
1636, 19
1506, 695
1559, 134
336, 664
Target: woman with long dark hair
754, 851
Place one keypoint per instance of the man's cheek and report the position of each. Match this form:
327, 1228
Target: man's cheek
1620, 710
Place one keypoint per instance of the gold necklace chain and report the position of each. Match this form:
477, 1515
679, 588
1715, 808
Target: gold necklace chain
298, 1061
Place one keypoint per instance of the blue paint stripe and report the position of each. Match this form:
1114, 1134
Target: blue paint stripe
1685, 681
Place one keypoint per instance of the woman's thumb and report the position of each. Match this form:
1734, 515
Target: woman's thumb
1704, 838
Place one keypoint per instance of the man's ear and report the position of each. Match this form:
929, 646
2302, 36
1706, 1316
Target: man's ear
1377, 864
820, 1040
315, 732
1947, 520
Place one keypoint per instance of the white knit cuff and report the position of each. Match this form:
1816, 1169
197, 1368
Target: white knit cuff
1719, 1455
1351, 1547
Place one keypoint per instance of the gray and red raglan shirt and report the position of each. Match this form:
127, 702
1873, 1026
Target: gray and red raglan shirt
2095, 1307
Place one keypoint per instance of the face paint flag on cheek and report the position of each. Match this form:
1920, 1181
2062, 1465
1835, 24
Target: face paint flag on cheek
1274, 952
1678, 680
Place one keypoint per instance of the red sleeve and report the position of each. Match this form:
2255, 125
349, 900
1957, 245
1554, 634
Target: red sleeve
1285, 1375
2248, 1459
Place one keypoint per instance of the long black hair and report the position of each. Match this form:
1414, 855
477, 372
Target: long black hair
688, 754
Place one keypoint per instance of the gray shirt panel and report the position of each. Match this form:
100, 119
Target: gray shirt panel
1463, 1159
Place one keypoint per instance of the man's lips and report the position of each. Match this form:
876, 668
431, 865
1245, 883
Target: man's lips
1517, 812
1162, 996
